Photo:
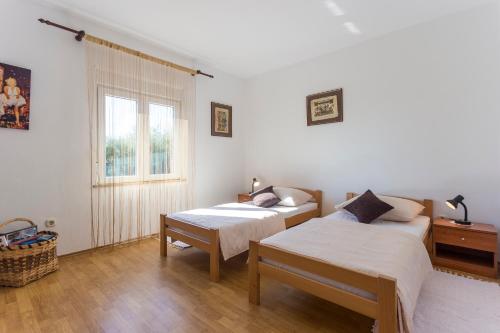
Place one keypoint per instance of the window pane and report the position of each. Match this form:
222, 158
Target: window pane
121, 136
161, 125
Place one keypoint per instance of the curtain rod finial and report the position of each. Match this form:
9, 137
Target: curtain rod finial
41, 20
205, 74
79, 36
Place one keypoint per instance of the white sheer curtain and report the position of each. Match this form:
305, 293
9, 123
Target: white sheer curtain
142, 140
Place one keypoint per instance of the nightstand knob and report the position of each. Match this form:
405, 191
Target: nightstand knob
463, 238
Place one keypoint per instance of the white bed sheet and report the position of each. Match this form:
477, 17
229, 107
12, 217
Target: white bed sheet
418, 226
240, 222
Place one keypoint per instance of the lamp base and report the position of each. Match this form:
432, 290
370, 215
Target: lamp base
463, 222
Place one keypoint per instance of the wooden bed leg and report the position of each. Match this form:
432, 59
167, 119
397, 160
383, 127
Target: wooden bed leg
214, 256
253, 274
387, 305
163, 237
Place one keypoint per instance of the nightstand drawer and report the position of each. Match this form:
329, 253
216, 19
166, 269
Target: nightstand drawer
464, 238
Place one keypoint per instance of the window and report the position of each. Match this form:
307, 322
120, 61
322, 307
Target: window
138, 136
121, 136
161, 128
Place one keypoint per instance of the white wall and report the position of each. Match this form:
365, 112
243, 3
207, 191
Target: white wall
420, 109
219, 160
421, 117
45, 172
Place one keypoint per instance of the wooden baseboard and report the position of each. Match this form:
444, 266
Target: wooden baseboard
120, 244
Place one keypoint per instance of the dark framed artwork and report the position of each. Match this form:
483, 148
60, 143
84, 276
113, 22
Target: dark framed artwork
15, 93
222, 120
325, 107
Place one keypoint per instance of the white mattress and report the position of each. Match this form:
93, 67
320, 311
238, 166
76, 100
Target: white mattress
417, 226
291, 211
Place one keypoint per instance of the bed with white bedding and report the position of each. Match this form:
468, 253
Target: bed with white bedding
418, 227
227, 229
238, 223
351, 264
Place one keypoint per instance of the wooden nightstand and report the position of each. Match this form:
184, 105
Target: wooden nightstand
470, 249
243, 197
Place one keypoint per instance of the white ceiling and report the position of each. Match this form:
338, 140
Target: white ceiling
246, 37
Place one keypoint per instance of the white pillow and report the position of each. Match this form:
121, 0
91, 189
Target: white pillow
345, 203
341, 215
291, 197
404, 210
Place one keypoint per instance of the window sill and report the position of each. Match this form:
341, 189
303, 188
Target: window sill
141, 182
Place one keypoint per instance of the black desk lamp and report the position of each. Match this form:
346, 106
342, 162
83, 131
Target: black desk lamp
255, 182
453, 204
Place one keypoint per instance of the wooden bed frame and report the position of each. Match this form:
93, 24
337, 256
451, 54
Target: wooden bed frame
384, 308
208, 239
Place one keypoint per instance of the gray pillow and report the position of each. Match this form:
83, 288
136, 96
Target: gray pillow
268, 189
266, 199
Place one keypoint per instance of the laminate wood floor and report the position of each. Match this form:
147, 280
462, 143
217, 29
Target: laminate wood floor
132, 289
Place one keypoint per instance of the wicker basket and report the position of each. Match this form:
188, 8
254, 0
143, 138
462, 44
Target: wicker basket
22, 264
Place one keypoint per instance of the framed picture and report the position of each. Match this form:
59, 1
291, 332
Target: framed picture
325, 107
15, 86
222, 120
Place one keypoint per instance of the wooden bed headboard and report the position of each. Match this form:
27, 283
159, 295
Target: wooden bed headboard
317, 195
427, 203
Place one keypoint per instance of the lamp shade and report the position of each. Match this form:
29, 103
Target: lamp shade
255, 182
453, 203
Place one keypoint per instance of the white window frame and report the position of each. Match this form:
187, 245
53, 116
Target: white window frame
143, 156
147, 156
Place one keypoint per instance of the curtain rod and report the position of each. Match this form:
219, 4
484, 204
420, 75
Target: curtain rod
80, 35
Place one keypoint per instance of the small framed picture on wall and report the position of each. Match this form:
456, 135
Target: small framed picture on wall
325, 107
222, 120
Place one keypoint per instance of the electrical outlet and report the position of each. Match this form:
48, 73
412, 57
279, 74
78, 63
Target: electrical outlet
50, 223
